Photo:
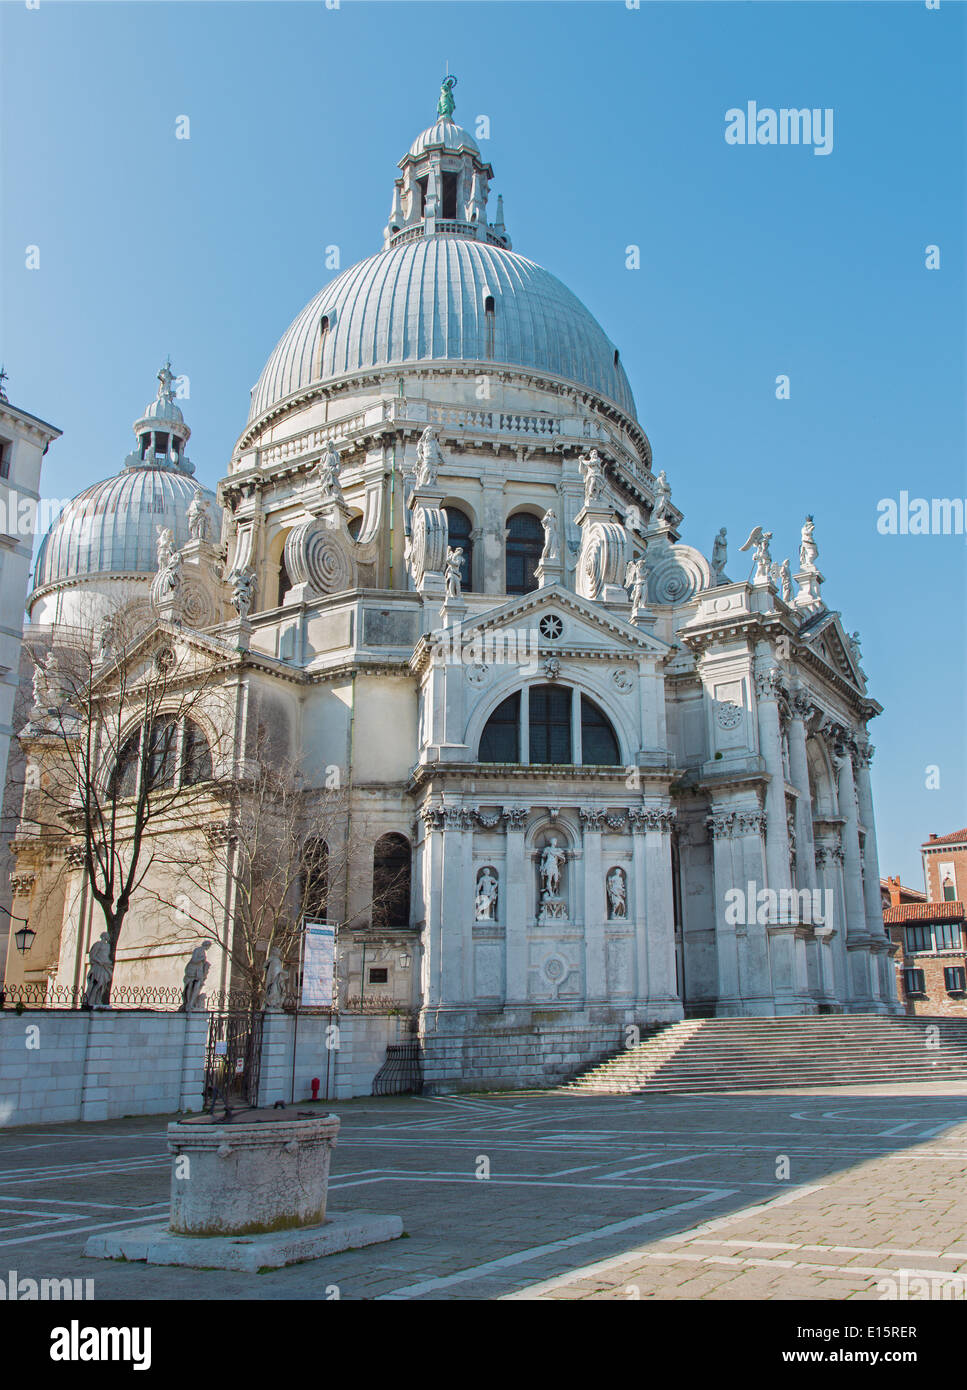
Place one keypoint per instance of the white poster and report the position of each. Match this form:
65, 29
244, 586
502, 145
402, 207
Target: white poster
318, 965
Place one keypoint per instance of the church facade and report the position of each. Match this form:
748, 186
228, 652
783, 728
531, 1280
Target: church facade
625, 787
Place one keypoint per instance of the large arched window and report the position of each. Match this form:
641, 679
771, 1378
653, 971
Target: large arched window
315, 868
391, 882
164, 753
458, 533
547, 724
525, 542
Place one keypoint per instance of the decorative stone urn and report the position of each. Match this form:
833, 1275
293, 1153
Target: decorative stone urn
247, 1179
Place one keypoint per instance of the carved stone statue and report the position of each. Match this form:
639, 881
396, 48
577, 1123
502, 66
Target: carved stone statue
446, 104
486, 899
633, 521
720, 556
636, 582
785, 582
429, 458
551, 866
195, 971
663, 498
243, 591
166, 546
453, 570
763, 559
99, 973
808, 550
552, 536
171, 574
274, 979
856, 651
327, 474
592, 471
617, 894
199, 517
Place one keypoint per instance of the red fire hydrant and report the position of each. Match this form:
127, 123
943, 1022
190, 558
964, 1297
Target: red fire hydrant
315, 1083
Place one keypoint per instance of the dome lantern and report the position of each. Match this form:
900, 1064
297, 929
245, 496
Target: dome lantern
444, 186
161, 431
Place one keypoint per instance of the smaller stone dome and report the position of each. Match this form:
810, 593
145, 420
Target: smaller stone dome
444, 135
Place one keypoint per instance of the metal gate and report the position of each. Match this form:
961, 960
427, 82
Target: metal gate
233, 1059
402, 1072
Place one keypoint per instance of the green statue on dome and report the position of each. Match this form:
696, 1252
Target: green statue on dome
446, 104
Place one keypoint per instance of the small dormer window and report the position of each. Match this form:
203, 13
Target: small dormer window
490, 324
450, 197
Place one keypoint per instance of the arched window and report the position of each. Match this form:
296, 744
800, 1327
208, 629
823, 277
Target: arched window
315, 896
196, 756
543, 725
166, 753
500, 741
598, 743
550, 724
391, 882
285, 583
490, 325
323, 335
458, 532
525, 541
354, 525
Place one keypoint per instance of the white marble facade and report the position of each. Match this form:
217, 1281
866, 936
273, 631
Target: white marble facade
631, 787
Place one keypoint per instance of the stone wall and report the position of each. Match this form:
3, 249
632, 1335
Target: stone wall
517, 1049
58, 1065
345, 1052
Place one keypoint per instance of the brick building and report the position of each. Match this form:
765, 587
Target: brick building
928, 931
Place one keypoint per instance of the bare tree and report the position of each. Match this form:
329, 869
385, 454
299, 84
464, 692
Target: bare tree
125, 739
280, 853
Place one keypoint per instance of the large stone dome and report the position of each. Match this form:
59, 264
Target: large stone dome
426, 301
111, 527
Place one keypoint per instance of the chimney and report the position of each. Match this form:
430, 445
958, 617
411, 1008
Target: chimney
893, 884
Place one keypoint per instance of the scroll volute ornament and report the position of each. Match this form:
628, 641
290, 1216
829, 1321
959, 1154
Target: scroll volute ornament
317, 556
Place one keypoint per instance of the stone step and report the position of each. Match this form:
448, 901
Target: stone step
762, 1053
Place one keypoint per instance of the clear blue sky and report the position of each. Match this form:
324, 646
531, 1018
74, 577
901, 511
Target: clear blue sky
607, 129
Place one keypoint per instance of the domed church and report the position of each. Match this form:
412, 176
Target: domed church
625, 786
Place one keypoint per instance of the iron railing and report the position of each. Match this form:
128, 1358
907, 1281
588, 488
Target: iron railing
402, 1072
35, 995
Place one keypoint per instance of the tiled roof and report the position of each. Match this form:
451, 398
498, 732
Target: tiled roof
924, 912
956, 837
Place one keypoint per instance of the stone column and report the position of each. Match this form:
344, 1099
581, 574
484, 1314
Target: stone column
637, 898
755, 969
457, 906
519, 900
862, 758
857, 937
720, 824
432, 875
829, 869
802, 709
595, 977
660, 911
767, 684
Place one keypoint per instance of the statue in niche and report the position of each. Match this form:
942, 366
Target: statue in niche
636, 582
808, 549
550, 868
486, 899
663, 499
327, 474
274, 979
195, 971
592, 471
633, 520
763, 559
243, 591
99, 972
552, 536
199, 517
617, 894
720, 556
429, 458
453, 571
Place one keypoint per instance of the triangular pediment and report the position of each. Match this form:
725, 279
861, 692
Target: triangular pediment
827, 637
585, 626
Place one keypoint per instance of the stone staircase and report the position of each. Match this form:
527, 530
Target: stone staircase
746, 1054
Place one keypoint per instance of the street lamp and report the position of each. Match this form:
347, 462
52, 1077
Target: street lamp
24, 938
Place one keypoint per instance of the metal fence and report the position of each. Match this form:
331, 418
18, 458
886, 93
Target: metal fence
45, 996
402, 1072
233, 1060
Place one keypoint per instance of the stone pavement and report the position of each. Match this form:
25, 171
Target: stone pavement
819, 1194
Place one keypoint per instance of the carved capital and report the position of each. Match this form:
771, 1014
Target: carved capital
720, 824
21, 884
769, 683
432, 818
515, 817
221, 834
750, 822
75, 856
591, 818
645, 818
487, 816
